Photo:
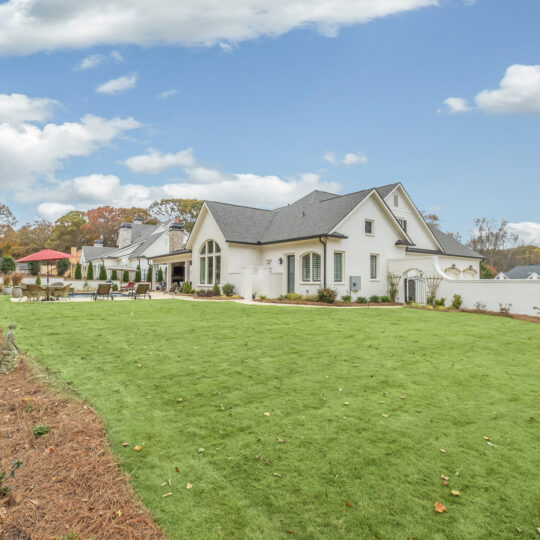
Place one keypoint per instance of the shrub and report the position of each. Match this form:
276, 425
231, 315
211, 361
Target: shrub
361, 300
480, 306
34, 267
39, 431
326, 295
228, 289
115, 287
38, 280
149, 274
7, 280
293, 296
505, 308
457, 301
125, 277
16, 279
346, 298
386, 299
78, 271
262, 297
28, 409
62, 266
102, 273
138, 277
216, 290
160, 275
186, 288
90, 271
7, 264
114, 275
310, 298
440, 302
375, 299
430, 300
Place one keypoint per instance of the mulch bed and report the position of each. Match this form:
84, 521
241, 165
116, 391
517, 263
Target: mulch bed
70, 482
528, 318
325, 304
210, 297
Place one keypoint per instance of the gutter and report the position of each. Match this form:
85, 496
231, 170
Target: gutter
324, 261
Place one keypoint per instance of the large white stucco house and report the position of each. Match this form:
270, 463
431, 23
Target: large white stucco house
346, 242
136, 245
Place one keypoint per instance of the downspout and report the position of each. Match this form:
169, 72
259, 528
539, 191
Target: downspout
324, 261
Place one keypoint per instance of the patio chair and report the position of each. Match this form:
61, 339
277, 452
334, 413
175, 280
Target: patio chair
173, 289
142, 289
104, 289
128, 287
35, 292
60, 293
24, 289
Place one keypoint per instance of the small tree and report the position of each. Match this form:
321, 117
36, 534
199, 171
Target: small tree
432, 283
160, 275
90, 271
125, 277
138, 277
216, 290
149, 274
7, 264
34, 267
38, 280
393, 285
78, 271
102, 273
485, 272
61, 266
114, 275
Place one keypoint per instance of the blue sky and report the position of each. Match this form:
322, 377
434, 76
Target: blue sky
262, 119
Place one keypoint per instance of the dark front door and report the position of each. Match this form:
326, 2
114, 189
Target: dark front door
290, 273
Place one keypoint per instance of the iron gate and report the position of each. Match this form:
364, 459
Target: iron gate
415, 290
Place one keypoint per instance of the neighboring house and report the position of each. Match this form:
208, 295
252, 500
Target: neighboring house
137, 244
528, 271
322, 240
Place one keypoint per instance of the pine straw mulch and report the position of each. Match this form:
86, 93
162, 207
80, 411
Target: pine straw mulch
517, 316
70, 482
336, 303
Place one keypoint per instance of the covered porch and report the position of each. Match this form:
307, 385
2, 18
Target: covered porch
177, 268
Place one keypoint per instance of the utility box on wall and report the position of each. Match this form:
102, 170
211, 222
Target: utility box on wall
354, 283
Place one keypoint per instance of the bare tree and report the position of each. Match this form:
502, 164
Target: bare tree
495, 242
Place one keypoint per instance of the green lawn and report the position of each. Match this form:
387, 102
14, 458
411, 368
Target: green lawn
445, 380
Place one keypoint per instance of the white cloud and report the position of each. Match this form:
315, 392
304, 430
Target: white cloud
52, 211
350, 158
154, 161
95, 60
167, 93
518, 93
17, 108
225, 47
454, 105
115, 86
529, 231
117, 56
27, 26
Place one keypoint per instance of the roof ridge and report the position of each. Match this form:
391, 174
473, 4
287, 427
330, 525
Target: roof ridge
240, 206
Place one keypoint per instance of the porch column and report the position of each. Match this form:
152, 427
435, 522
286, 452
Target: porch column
169, 275
188, 271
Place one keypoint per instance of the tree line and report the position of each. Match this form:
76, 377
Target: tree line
77, 228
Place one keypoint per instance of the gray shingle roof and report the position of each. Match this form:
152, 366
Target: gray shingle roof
91, 253
316, 214
522, 272
139, 250
139, 231
451, 246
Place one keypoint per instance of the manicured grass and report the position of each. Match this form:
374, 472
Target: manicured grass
445, 380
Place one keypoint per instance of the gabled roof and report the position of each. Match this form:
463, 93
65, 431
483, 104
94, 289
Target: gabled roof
316, 214
523, 271
451, 246
91, 253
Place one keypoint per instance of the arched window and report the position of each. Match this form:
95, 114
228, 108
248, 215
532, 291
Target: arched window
311, 268
210, 263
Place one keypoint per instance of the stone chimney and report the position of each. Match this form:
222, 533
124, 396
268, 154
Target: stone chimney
176, 235
124, 235
137, 220
98, 242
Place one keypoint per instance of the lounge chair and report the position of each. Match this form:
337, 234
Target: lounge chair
142, 289
103, 289
61, 292
128, 287
173, 289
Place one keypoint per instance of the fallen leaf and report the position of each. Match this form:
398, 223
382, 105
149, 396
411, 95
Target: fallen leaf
180, 400
442, 451
538, 530
222, 407
189, 486
277, 474
177, 469
402, 397
346, 403
385, 415
348, 504
518, 530
326, 376
440, 508
201, 450
125, 444
50, 449
444, 477
340, 389
266, 414
119, 513
455, 493
445, 482
282, 441
487, 438
490, 443
137, 448
167, 494
163, 483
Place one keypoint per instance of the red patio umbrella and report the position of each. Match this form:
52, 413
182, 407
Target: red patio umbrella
45, 255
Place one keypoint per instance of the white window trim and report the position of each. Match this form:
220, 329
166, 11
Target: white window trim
311, 281
377, 267
372, 221
396, 200
342, 267
206, 256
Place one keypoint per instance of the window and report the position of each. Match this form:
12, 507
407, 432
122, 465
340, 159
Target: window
373, 263
403, 223
369, 226
210, 263
338, 266
311, 267
396, 200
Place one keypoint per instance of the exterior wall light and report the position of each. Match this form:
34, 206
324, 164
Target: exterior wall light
280, 260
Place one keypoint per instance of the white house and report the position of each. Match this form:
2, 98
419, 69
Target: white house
346, 242
136, 245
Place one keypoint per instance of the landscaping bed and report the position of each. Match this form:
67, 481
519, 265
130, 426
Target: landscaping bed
337, 303
69, 485
517, 316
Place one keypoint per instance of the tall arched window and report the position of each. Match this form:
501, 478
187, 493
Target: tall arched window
311, 268
210, 263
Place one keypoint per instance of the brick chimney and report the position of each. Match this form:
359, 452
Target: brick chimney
124, 235
176, 235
